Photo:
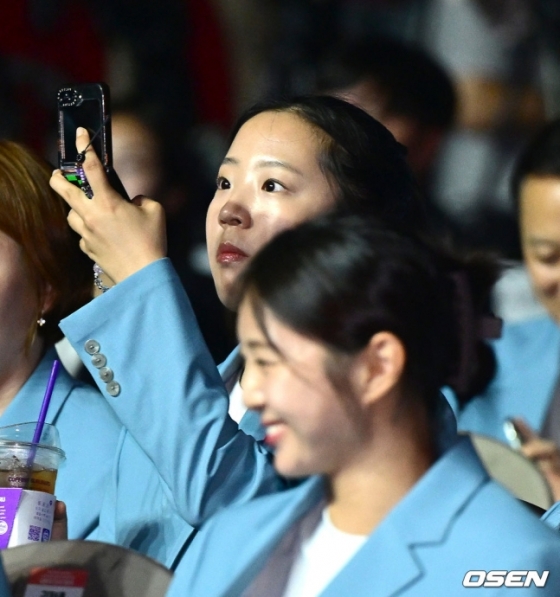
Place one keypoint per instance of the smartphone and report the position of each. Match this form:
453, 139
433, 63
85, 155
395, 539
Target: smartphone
87, 105
513, 435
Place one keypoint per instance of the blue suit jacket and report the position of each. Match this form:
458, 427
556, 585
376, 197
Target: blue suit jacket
453, 520
181, 458
89, 432
528, 356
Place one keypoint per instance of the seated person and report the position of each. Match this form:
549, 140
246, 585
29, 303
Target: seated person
348, 331
190, 447
44, 277
528, 354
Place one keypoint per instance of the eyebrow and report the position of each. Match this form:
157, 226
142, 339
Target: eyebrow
265, 164
257, 344
536, 242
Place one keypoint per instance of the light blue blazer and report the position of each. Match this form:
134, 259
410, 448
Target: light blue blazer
528, 356
89, 432
453, 520
181, 458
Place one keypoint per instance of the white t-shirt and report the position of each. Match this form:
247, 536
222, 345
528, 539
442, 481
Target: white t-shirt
236, 406
322, 555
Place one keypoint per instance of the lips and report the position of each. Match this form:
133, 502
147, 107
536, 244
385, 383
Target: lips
273, 433
229, 253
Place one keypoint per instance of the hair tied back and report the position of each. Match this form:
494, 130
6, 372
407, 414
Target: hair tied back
472, 328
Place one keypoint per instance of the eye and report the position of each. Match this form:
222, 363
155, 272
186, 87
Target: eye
222, 184
263, 363
273, 186
548, 258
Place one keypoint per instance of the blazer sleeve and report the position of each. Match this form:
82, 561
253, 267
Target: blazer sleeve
141, 342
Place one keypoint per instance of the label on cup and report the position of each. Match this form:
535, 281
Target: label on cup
56, 581
26, 516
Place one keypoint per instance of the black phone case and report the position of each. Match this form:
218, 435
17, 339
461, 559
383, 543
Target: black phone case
87, 105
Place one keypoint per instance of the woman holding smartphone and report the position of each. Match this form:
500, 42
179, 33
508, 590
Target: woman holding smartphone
190, 447
348, 331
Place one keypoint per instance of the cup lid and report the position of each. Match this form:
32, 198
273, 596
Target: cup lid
21, 434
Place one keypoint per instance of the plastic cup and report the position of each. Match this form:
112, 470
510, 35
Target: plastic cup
27, 482
25, 465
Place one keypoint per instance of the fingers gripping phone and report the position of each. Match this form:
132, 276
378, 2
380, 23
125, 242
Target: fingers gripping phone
87, 105
514, 434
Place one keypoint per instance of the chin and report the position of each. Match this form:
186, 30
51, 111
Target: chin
292, 469
229, 295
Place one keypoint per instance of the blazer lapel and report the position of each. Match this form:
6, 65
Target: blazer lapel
229, 369
389, 557
291, 505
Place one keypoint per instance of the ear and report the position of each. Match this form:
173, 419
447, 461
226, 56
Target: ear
48, 299
381, 366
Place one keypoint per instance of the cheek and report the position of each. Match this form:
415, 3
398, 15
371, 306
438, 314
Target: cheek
212, 220
544, 278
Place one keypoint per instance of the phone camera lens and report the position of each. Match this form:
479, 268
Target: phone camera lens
67, 97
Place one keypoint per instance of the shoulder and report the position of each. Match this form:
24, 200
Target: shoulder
530, 334
514, 526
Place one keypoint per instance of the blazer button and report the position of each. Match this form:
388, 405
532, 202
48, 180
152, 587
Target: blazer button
113, 388
106, 374
92, 347
99, 360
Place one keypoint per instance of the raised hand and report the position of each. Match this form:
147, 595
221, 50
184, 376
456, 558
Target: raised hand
121, 236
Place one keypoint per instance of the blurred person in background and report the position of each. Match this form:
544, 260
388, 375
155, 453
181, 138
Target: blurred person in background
527, 386
403, 87
492, 51
43, 278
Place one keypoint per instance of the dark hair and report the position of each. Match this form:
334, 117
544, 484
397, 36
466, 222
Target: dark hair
33, 215
359, 155
541, 157
341, 279
410, 81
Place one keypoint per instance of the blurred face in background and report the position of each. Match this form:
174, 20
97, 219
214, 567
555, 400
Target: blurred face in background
270, 180
539, 221
422, 142
136, 155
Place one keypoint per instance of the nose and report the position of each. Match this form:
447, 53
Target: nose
234, 213
253, 396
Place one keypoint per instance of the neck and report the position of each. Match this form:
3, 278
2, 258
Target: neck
398, 454
15, 373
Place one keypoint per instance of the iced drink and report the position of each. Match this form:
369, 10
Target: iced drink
27, 483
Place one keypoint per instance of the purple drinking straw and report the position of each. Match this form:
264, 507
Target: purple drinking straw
46, 402
43, 412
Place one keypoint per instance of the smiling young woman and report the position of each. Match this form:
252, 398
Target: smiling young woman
349, 330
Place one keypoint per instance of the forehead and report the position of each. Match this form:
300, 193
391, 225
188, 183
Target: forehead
282, 134
246, 321
540, 203
296, 348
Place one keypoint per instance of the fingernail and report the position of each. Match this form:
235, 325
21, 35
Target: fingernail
55, 172
80, 131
